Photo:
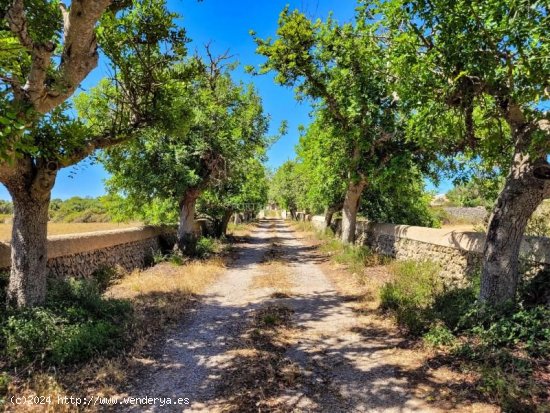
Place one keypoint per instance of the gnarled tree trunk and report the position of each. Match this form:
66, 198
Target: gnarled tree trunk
225, 221
329, 213
30, 190
523, 192
349, 211
221, 224
186, 237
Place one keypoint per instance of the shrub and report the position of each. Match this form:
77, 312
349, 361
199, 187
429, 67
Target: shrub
5, 381
451, 305
105, 277
205, 247
524, 329
439, 335
411, 294
356, 257
75, 324
536, 290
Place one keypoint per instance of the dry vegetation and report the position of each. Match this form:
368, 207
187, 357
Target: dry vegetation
259, 371
240, 230
62, 228
359, 275
160, 297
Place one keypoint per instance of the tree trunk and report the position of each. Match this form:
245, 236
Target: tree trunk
30, 190
349, 211
225, 221
186, 237
329, 213
521, 196
328, 217
222, 224
292, 214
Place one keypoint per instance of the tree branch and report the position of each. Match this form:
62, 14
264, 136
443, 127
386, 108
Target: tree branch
17, 21
79, 56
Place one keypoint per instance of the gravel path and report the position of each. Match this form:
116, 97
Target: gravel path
345, 371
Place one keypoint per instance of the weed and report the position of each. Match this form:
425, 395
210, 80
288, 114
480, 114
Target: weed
411, 294
356, 257
5, 381
106, 276
439, 336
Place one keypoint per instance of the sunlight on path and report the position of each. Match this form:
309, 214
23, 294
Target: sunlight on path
256, 343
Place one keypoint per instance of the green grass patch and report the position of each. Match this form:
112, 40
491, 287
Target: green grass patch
76, 324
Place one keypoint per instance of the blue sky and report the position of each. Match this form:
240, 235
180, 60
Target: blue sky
226, 25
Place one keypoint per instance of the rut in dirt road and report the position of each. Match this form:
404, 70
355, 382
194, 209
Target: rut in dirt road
248, 348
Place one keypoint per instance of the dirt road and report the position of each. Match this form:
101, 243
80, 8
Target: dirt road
251, 346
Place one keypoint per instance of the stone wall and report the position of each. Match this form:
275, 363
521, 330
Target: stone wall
79, 255
459, 253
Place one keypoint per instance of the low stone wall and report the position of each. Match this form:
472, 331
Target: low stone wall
79, 255
459, 253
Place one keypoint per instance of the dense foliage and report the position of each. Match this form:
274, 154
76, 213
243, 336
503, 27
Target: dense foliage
358, 130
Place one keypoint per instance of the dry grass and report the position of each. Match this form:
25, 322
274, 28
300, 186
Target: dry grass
274, 276
240, 230
61, 228
161, 296
188, 279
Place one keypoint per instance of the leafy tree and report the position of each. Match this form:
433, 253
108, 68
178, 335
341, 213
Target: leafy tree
479, 191
244, 190
286, 186
396, 194
39, 137
323, 166
6, 207
342, 69
212, 123
475, 78
78, 209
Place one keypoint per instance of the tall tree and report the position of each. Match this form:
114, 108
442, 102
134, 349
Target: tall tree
286, 187
343, 71
211, 123
476, 77
322, 162
38, 136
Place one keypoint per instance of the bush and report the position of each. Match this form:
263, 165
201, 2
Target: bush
411, 294
439, 335
5, 381
507, 346
105, 277
205, 247
536, 290
76, 324
522, 329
